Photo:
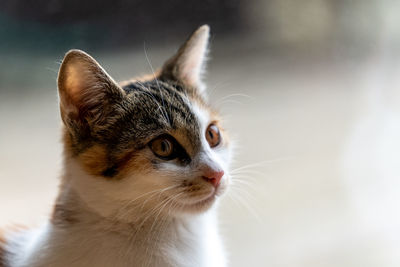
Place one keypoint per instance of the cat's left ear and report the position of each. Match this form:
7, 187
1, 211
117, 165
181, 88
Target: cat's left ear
88, 95
188, 64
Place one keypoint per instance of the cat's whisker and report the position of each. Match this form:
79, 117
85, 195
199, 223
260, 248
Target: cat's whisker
245, 178
154, 210
239, 197
144, 203
242, 179
160, 108
151, 195
229, 102
171, 199
247, 172
152, 235
158, 191
52, 70
259, 164
241, 189
149, 214
212, 89
150, 192
158, 85
227, 99
240, 183
246, 182
235, 95
149, 93
154, 191
234, 201
239, 204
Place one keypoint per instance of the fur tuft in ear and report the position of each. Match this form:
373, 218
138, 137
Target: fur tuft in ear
87, 93
188, 64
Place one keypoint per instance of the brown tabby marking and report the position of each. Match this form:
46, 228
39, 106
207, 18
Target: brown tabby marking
94, 159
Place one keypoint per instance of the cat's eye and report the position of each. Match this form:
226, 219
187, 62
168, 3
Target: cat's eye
213, 135
167, 148
163, 147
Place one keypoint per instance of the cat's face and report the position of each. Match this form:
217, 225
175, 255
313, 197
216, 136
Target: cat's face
154, 144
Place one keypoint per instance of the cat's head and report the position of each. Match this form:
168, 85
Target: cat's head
149, 143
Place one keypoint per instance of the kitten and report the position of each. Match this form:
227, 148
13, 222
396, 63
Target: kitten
144, 163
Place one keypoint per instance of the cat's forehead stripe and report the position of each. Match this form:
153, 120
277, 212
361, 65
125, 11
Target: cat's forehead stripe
168, 102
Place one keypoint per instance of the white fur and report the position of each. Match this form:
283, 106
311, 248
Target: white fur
217, 155
195, 243
107, 235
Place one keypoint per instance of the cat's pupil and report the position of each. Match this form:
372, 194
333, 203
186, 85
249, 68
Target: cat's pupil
211, 134
164, 146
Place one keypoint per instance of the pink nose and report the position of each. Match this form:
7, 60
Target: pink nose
213, 176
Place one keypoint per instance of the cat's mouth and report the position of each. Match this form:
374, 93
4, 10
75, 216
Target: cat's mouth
202, 203
199, 205
206, 200
210, 198
198, 201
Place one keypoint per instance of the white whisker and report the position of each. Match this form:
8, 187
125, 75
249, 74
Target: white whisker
158, 85
258, 164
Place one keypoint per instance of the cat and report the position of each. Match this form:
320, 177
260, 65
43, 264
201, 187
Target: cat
144, 163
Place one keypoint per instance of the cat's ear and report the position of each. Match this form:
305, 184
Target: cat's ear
188, 64
87, 93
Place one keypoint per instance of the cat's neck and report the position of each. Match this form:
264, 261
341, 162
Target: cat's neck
71, 211
155, 240
78, 236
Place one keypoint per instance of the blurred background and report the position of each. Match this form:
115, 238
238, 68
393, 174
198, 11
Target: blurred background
310, 91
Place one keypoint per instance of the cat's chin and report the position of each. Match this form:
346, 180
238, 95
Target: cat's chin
198, 206
206, 203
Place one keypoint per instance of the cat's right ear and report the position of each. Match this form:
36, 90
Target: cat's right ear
87, 93
188, 64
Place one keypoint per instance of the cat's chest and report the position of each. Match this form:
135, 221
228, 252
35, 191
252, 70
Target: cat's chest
59, 248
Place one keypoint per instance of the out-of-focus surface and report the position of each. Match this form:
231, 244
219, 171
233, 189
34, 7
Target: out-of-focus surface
312, 96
